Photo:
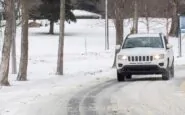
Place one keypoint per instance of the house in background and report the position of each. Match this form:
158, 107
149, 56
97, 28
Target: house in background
82, 14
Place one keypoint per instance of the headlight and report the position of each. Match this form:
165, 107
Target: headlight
122, 57
158, 56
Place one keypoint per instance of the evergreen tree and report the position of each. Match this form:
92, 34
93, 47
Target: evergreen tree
69, 16
50, 9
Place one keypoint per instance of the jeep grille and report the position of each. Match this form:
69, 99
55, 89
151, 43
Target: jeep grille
140, 58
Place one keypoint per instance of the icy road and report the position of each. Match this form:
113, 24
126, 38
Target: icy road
140, 96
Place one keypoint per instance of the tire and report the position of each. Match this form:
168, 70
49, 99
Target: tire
120, 77
167, 74
129, 76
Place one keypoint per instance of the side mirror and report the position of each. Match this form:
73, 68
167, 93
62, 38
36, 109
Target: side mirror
118, 47
169, 46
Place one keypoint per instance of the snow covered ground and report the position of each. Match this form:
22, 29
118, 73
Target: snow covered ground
86, 64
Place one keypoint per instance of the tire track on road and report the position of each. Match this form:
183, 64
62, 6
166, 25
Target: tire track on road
74, 102
133, 105
84, 101
90, 100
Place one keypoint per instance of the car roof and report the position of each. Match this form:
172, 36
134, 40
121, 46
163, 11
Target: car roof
143, 35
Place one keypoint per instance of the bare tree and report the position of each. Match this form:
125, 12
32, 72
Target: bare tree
22, 75
174, 24
167, 20
4, 67
119, 24
135, 17
61, 39
26, 5
51, 29
13, 54
147, 18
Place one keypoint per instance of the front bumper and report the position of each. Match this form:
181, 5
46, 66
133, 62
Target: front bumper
141, 69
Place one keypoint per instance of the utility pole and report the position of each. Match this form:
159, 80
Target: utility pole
181, 30
106, 26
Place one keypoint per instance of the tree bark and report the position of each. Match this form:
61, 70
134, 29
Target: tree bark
22, 75
119, 31
147, 19
4, 67
119, 25
61, 39
14, 64
167, 20
135, 18
167, 27
119, 36
51, 29
175, 19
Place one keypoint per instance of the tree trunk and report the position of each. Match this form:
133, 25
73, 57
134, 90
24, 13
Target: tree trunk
119, 24
14, 64
119, 32
51, 29
119, 36
135, 18
147, 19
175, 20
4, 67
61, 39
22, 75
147, 25
167, 27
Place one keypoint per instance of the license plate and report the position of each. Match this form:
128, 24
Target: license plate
141, 63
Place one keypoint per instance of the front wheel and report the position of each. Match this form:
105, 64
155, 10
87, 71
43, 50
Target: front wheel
120, 77
166, 75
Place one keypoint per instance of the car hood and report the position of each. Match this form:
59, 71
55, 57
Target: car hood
141, 51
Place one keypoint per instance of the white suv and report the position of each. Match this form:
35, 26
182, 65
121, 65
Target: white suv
143, 54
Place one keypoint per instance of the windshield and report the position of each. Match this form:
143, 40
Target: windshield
153, 42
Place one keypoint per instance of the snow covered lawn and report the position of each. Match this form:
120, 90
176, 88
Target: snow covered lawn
83, 65
86, 63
